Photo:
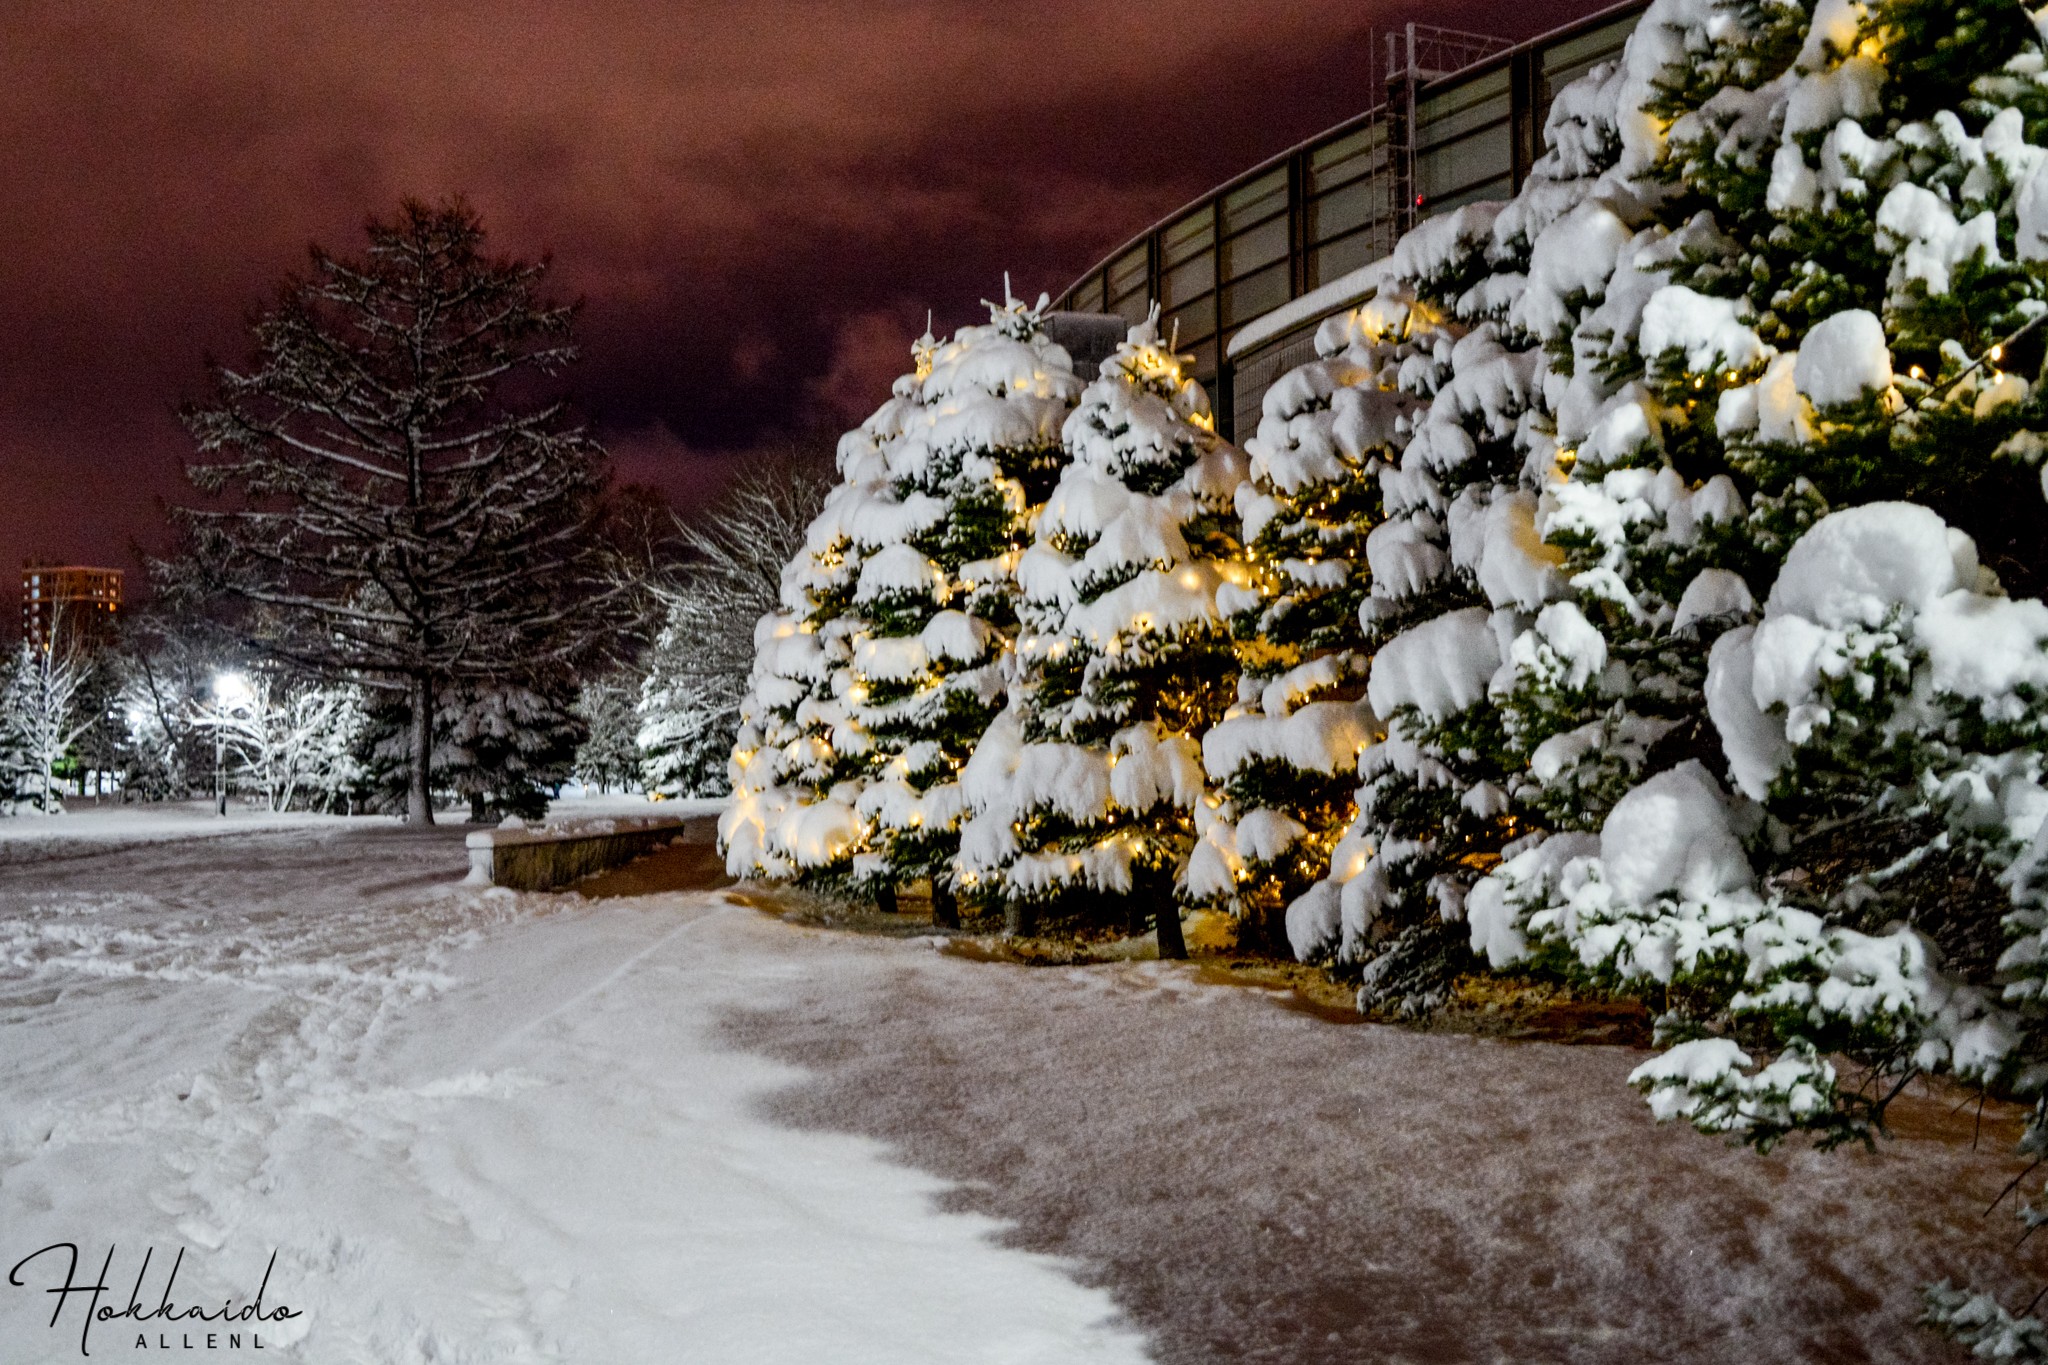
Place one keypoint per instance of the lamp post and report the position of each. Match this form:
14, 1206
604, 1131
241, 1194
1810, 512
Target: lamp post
230, 691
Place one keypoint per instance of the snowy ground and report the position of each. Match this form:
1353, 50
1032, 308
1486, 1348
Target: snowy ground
477, 1126
474, 1126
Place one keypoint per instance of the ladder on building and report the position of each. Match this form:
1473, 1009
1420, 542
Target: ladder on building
1417, 55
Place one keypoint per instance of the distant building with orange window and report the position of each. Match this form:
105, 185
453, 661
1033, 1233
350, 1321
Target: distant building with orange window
74, 598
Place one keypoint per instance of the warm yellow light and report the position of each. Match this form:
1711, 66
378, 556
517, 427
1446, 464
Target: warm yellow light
1997, 353
1917, 372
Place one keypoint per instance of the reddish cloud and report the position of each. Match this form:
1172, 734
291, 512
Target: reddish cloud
756, 200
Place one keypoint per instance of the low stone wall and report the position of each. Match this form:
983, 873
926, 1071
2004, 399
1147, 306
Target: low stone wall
548, 857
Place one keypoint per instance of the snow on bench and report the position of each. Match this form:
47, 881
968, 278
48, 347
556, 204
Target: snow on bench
542, 857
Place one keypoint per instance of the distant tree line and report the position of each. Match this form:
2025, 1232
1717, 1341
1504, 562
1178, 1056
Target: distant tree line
407, 580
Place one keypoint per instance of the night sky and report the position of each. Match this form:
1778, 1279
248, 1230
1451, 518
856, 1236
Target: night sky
757, 202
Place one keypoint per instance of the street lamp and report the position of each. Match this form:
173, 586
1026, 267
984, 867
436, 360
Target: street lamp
230, 692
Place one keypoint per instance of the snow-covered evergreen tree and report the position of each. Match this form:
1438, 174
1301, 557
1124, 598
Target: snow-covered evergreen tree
502, 748
1455, 569
1285, 759
1785, 338
1088, 786
802, 757
936, 598
506, 748
400, 501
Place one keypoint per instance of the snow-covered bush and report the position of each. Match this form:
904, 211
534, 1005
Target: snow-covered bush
1091, 782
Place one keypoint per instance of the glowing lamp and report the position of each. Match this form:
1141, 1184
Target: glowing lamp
232, 690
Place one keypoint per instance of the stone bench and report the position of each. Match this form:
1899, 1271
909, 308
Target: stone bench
547, 857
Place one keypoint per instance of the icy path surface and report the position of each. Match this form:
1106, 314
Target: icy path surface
473, 1126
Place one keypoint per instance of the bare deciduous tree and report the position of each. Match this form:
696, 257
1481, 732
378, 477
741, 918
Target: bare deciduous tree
291, 737
43, 717
729, 577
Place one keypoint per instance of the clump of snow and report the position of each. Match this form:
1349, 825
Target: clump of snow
1855, 565
1323, 737
1752, 740
1713, 593
1709, 333
1843, 359
1439, 668
1497, 542
1672, 835
1919, 227
1890, 567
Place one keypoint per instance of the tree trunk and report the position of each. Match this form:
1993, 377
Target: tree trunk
1155, 888
1171, 942
885, 898
1020, 917
945, 905
477, 814
419, 797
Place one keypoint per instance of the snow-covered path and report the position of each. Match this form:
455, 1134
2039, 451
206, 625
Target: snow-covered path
473, 1126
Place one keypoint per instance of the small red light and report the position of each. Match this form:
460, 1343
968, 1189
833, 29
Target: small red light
1418, 201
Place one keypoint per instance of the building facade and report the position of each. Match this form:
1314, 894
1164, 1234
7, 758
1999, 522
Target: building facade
67, 599
1245, 273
